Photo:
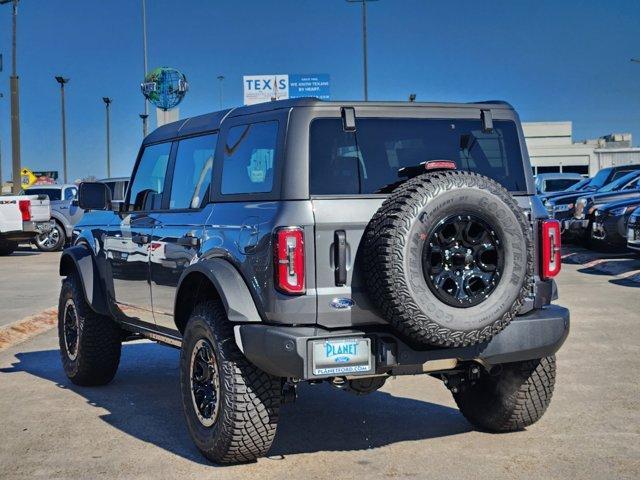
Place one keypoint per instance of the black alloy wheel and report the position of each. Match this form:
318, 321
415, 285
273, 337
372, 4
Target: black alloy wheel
205, 382
462, 260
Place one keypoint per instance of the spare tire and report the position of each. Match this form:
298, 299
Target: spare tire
448, 258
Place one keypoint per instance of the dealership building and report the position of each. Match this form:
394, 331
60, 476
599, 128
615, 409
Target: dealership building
552, 149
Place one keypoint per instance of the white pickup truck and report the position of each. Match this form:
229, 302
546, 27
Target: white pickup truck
21, 219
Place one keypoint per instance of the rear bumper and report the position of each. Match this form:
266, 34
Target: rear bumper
286, 351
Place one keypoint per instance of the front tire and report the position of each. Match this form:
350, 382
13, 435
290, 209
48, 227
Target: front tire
231, 407
512, 400
90, 343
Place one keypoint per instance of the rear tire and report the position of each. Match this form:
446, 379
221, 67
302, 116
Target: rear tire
53, 240
511, 400
7, 248
90, 343
231, 406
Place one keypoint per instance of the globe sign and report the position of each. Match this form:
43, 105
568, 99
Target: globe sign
165, 87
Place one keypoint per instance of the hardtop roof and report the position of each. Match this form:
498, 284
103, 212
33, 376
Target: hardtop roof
211, 121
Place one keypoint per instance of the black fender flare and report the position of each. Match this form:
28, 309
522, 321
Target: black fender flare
79, 259
231, 287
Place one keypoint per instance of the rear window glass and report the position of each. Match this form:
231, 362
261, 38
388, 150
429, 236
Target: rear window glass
53, 193
368, 160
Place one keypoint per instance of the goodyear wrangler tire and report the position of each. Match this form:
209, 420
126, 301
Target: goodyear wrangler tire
448, 258
90, 344
512, 400
231, 406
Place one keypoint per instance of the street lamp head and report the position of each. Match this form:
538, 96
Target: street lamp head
220, 77
144, 116
106, 100
61, 80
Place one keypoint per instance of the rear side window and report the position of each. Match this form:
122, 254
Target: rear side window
148, 183
70, 193
249, 158
368, 160
54, 194
191, 180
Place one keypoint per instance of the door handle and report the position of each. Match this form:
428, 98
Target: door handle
140, 239
188, 241
340, 257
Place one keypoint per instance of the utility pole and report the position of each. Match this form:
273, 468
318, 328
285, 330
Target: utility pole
15, 105
364, 45
144, 115
62, 81
221, 79
107, 102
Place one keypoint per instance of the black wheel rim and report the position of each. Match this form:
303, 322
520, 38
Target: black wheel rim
462, 260
205, 384
70, 327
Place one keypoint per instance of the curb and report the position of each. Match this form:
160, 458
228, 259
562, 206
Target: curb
28, 327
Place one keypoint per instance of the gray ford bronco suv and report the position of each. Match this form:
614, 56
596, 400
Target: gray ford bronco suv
307, 241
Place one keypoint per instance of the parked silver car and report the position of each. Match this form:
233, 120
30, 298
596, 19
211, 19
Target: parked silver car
65, 212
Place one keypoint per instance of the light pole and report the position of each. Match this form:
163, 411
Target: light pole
145, 115
364, 44
62, 81
15, 105
107, 102
221, 79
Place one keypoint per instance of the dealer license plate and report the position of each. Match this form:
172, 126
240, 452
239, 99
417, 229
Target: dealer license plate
631, 235
341, 356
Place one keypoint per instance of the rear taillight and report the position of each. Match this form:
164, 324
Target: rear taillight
25, 209
550, 245
289, 260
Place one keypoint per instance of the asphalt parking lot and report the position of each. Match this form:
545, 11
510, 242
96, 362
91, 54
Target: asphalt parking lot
133, 428
30, 283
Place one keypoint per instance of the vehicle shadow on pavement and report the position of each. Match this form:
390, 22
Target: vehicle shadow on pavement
144, 401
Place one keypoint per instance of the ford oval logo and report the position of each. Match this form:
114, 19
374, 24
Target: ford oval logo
341, 303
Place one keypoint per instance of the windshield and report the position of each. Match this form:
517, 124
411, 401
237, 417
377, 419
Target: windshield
368, 160
619, 183
601, 177
580, 185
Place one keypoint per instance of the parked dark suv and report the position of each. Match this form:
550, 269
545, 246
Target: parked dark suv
301, 240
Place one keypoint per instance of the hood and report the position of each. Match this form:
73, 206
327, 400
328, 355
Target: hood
609, 197
632, 202
565, 198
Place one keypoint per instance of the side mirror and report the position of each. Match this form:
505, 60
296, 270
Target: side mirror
94, 196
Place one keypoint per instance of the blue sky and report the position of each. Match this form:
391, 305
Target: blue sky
553, 60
